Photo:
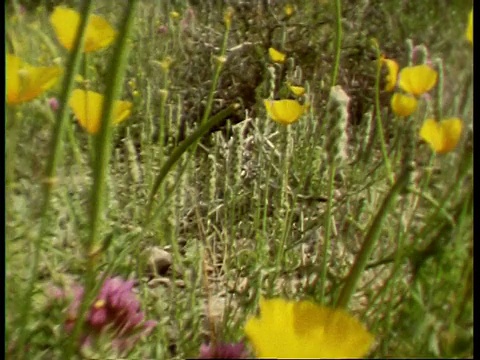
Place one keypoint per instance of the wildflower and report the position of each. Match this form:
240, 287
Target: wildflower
25, 82
296, 90
53, 103
284, 112
288, 10
276, 56
442, 136
392, 67
87, 107
174, 14
116, 310
403, 105
223, 351
417, 80
469, 31
289, 329
65, 21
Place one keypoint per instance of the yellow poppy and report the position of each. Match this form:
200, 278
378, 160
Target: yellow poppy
403, 105
284, 111
87, 107
291, 329
99, 33
296, 90
25, 82
469, 32
418, 79
391, 78
442, 136
276, 56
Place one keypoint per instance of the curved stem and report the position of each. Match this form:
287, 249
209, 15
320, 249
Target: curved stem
370, 240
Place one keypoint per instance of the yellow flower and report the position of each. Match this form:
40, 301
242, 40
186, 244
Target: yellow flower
296, 90
288, 9
392, 67
289, 329
25, 82
276, 56
99, 33
174, 14
87, 107
284, 111
418, 79
403, 105
469, 32
442, 136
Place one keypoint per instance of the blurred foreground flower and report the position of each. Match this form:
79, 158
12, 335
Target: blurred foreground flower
65, 21
25, 82
469, 32
223, 351
116, 311
442, 136
291, 329
284, 112
87, 107
276, 56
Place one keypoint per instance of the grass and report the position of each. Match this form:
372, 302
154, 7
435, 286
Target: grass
244, 206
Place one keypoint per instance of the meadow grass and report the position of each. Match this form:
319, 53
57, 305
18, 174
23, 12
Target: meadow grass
347, 206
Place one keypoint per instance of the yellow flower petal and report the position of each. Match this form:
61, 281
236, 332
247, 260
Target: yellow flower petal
403, 105
99, 33
25, 82
87, 107
442, 136
296, 90
276, 56
469, 32
418, 79
391, 78
284, 111
289, 329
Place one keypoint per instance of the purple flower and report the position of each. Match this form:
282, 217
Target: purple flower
53, 102
116, 310
223, 351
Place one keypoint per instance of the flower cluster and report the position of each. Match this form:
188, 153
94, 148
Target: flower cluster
413, 81
116, 311
26, 82
285, 111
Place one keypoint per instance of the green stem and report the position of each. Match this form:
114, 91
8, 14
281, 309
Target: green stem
326, 242
216, 76
371, 239
338, 43
67, 86
93, 247
379, 120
